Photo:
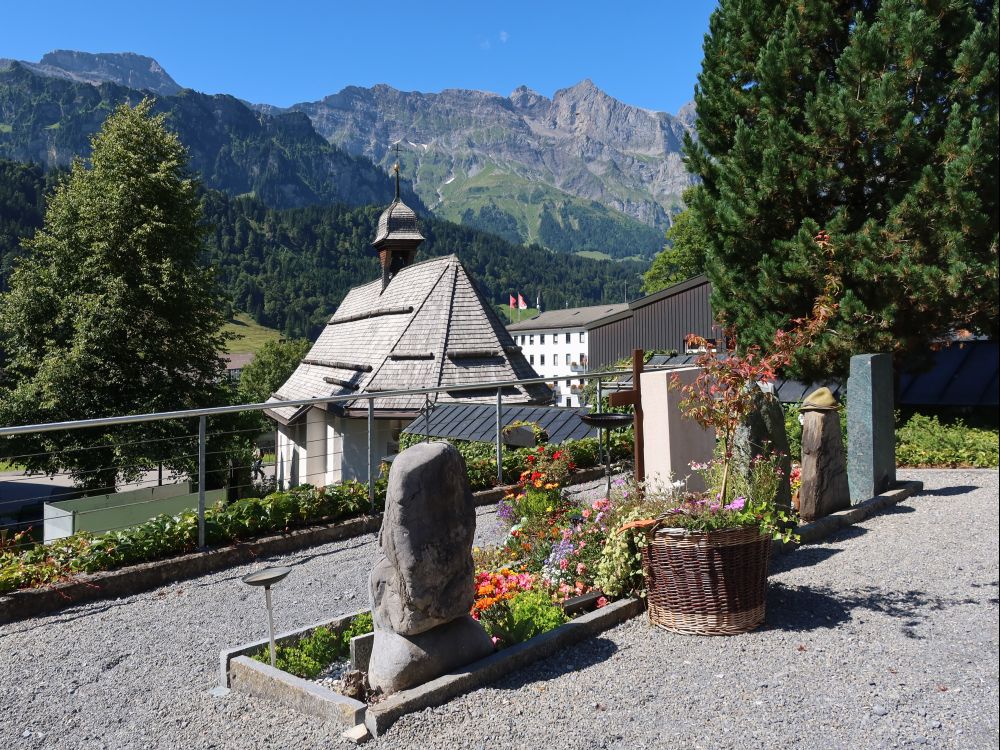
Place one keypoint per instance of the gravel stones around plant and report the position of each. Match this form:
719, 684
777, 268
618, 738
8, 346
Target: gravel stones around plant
884, 636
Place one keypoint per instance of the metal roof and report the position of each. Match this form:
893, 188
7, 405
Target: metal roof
477, 422
965, 373
573, 317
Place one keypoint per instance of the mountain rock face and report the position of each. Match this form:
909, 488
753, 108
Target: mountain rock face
49, 119
462, 147
124, 68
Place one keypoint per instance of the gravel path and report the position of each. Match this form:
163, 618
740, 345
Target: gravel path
885, 636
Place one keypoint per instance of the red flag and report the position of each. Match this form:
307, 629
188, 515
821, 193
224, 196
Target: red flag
512, 303
521, 304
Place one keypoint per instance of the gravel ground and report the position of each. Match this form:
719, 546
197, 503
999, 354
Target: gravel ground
885, 636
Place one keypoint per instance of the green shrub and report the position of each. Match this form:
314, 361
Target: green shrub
924, 441
311, 654
527, 614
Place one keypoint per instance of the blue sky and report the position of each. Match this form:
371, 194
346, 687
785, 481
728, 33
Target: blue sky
647, 54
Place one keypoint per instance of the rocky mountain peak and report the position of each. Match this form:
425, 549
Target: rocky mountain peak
124, 68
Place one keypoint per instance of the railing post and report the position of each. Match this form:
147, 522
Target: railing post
499, 436
371, 454
201, 479
600, 433
427, 418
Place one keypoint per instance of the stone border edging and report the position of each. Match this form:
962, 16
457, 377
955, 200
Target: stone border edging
380, 716
821, 528
238, 671
135, 579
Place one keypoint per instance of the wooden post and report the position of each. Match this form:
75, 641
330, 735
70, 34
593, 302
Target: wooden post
633, 398
640, 466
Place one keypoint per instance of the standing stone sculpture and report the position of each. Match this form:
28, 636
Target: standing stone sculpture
871, 428
422, 586
824, 487
763, 434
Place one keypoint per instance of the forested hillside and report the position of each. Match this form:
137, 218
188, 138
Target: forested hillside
290, 268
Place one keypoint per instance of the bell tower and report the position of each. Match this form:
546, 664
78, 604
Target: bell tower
397, 236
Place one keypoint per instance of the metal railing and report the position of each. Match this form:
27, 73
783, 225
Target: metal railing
204, 414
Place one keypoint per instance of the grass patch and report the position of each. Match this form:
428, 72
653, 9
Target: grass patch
251, 336
596, 255
515, 316
8, 466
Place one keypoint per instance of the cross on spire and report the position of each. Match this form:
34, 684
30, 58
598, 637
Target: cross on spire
395, 169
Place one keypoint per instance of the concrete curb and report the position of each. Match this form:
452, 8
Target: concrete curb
821, 528
380, 716
282, 639
239, 672
134, 579
264, 681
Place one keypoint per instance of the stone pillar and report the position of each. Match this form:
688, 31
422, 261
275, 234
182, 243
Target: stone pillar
824, 487
871, 430
671, 441
422, 586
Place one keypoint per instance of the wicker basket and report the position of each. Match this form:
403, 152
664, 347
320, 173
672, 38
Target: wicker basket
707, 583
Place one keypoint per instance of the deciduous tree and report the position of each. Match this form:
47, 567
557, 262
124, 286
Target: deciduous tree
112, 312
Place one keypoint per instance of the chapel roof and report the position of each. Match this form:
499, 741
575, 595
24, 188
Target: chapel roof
428, 327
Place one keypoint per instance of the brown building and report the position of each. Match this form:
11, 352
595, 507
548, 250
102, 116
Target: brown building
661, 320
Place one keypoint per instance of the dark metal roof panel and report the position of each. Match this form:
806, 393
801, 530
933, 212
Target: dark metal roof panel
477, 422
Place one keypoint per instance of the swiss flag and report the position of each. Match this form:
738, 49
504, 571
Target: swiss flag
521, 304
512, 302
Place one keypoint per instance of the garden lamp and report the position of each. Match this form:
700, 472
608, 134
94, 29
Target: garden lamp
267, 577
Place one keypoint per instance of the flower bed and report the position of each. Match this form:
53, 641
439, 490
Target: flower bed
168, 536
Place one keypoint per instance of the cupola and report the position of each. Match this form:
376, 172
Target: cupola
397, 236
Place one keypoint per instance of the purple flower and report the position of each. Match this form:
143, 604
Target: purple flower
737, 504
714, 507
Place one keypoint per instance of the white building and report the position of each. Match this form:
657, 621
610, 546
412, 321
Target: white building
421, 325
556, 344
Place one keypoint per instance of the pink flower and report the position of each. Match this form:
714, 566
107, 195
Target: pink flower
602, 602
495, 640
580, 568
714, 507
563, 564
737, 504
586, 513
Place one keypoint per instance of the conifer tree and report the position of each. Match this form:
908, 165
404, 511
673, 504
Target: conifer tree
875, 121
112, 311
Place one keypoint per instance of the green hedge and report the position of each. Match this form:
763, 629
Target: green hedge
165, 535
924, 441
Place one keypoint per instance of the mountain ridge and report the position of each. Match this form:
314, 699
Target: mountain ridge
599, 174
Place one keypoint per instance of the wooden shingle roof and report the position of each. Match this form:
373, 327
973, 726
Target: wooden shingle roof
429, 327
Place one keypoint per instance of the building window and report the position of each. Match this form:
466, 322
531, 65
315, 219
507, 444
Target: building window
567, 359
541, 359
541, 338
567, 338
569, 401
531, 340
531, 359
583, 360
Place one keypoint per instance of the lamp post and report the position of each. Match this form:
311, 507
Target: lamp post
267, 577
